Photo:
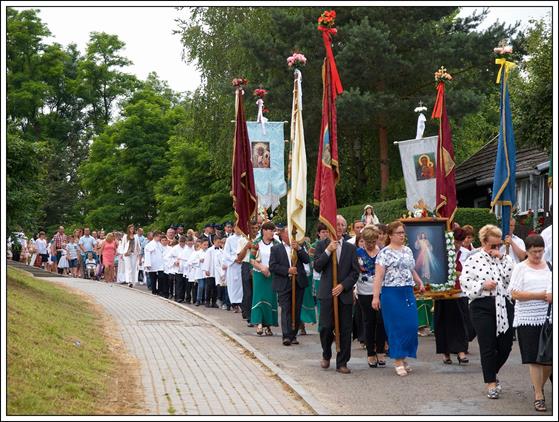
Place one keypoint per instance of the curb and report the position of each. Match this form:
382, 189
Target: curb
294, 385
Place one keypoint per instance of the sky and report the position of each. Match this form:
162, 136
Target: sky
152, 46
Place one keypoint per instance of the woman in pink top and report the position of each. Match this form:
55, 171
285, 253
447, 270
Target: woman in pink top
108, 252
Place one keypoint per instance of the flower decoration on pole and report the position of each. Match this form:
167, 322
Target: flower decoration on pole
239, 82
296, 61
503, 48
442, 75
260, 93
327, 20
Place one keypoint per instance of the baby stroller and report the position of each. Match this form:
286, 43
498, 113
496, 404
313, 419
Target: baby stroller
90, 267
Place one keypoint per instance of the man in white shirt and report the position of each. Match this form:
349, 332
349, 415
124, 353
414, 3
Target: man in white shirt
516, 248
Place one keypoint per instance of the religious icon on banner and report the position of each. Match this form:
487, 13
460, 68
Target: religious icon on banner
424, 166
261, 155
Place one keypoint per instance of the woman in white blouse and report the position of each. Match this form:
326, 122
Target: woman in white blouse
485, 278
528, 286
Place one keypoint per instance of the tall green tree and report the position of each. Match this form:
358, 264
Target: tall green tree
102, 78
386, 57
24, 182
128, 159
532, 92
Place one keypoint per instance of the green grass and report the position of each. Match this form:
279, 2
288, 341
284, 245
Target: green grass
47, 373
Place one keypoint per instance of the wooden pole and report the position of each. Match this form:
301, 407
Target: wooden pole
293, 281
335, 299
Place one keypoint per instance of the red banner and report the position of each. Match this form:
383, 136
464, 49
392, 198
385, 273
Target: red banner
446, 184
327, 172
242, 187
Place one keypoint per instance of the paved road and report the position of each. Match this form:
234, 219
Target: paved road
432, 389
188, 366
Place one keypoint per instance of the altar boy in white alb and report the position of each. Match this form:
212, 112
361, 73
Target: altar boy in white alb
233, 271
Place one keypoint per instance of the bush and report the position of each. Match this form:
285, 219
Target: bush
475, 217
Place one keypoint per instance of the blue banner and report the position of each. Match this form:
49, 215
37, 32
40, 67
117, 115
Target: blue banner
504, 182
267, 152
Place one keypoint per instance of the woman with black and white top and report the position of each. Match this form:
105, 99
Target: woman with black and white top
528, 287
485, 278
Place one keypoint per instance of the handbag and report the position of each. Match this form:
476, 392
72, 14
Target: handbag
545, 344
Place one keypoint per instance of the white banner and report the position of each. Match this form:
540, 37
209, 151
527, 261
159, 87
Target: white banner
419, 168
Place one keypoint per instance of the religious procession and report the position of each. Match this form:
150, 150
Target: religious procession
381, 280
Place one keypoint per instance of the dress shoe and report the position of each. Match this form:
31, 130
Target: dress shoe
294, 341
343, 370
286, 342
324, 364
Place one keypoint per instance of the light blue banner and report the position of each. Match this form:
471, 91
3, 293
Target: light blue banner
267, 152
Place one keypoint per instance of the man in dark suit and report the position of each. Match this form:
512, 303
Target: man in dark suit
282, 268
348, 271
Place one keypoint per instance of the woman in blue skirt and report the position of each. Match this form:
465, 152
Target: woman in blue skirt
394, 271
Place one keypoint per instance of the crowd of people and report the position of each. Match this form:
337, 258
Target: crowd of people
505, 285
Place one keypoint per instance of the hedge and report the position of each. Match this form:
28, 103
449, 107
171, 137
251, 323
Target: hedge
389, 211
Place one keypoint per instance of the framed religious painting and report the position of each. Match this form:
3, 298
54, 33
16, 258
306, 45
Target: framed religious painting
433, 250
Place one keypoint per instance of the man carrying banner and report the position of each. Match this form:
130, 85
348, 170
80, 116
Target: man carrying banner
283, 267
347, 273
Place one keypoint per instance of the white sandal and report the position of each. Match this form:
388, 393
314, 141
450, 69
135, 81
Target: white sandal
401, 370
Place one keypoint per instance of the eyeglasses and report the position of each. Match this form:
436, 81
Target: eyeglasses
496, 246
399, 232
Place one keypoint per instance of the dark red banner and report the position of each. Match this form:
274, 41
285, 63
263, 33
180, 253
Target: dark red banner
242, 188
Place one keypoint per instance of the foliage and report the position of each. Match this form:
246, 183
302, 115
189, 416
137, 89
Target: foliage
128, 159
476, 217
386, 212
532, 95
25, 180
113, 150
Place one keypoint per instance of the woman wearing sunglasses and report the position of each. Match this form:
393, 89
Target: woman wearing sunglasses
485, 278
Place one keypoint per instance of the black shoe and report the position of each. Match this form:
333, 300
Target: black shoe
214, 305
463, 361
250, 325
373, 364
286, 342
294, 341
197, 303
130, 285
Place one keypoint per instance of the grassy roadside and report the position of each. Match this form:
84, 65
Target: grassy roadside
60, 360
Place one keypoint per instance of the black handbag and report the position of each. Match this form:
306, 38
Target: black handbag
545, 344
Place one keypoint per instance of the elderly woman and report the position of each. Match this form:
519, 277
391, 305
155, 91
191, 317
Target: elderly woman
375, 336
394, 271
485, 278
529, 288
